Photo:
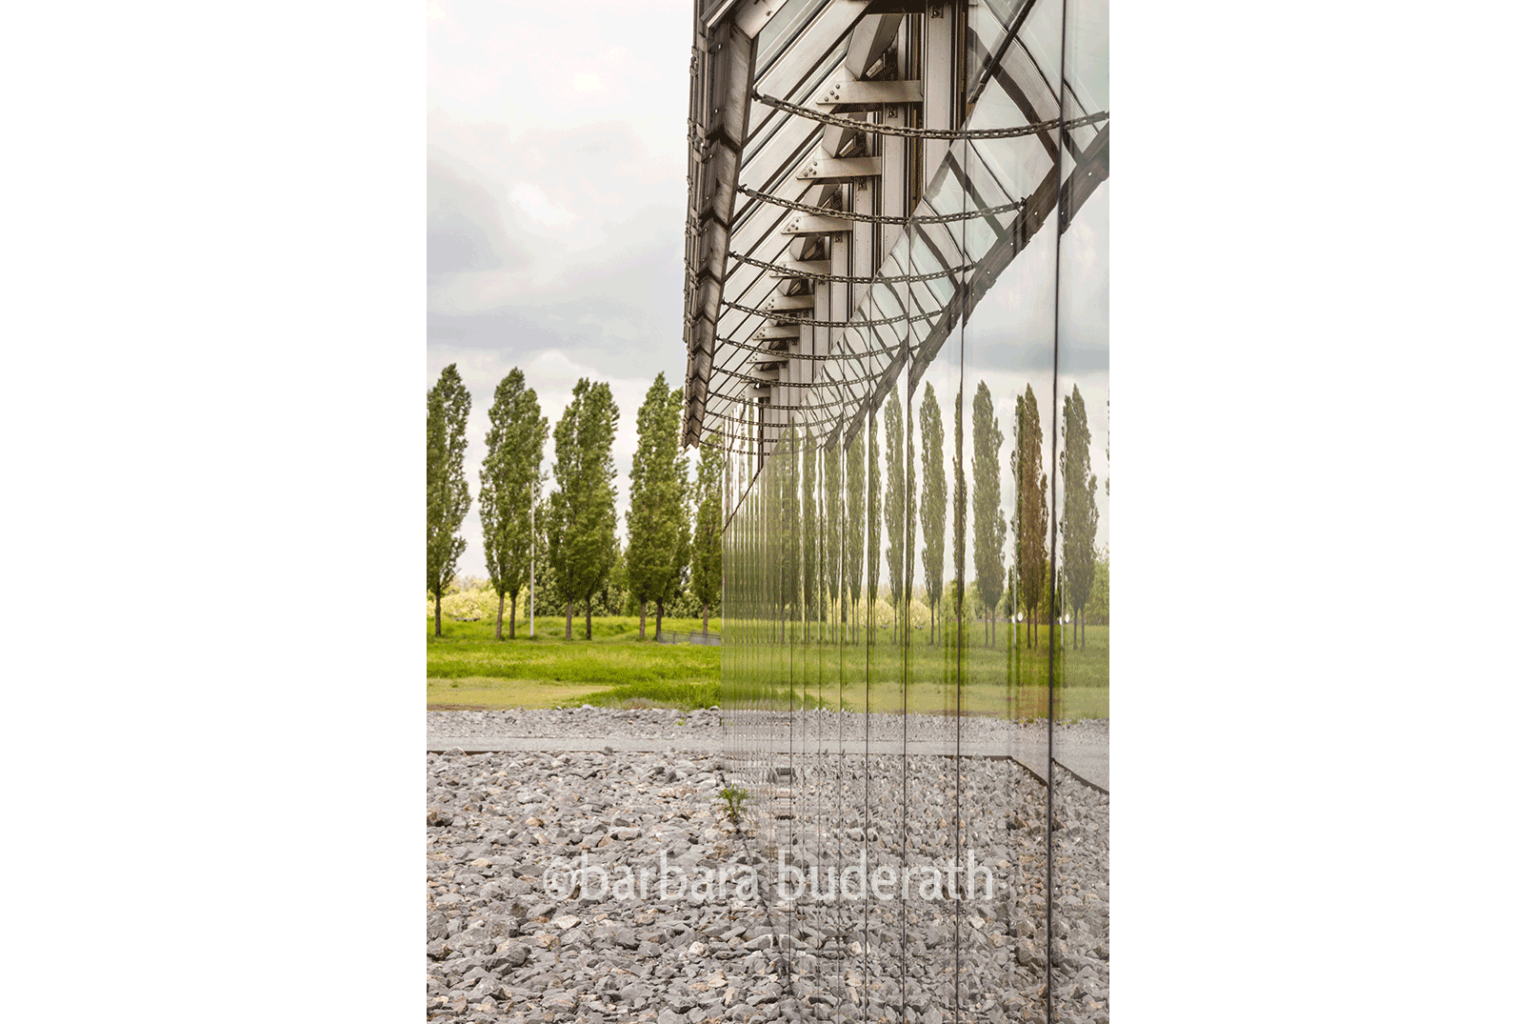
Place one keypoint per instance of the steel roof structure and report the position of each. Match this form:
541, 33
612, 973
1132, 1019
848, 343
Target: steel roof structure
860, 172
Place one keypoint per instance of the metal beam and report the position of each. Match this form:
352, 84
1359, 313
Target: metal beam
781, 302
1092, 169
845, 96
806, 224
775, 332
824, 167
938, 99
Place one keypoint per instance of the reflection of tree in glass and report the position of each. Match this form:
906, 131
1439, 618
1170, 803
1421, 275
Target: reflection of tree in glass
832, 475
1032, 562
810, 573
958, 465
932, 506
704, 580
1079, 515
895, 518
909, 515
987, 505
853, 551
1096, 611
872, 557
789, 524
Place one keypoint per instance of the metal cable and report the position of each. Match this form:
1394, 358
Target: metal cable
930, 133
807, 322
871, 218
850, 279
814, 357
795, 383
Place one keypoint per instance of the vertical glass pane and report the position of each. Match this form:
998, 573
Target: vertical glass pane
1080, 826
916, 631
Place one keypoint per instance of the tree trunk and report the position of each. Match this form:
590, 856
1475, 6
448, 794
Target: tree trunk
589, 618
437, 612
499, 609
706, 620
642, 619
568, 605
930, 623
658, 620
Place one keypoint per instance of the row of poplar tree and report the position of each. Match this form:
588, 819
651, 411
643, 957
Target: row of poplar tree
959, 504
569, 538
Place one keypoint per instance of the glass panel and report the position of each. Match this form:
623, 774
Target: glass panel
898, 674
1080, 826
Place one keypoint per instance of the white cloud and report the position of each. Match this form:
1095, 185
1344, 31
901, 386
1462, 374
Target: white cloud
532, 201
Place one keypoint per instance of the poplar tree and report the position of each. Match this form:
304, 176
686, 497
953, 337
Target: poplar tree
933, 511
810, 528
832, 475
447, 490
789, 506
705, 569
853, 551
1079, 514
958, 466
988, 521
682, 556
514, 447
872, 556
582, 531
657, 488
895, 508
682, 544
1032, 559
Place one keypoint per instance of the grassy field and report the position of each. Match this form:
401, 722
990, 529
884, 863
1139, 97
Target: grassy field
467, 667
997, 683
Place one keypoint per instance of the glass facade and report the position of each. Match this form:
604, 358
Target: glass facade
916, 408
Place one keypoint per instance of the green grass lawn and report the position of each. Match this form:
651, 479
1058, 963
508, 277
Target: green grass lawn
468, 667
826, 674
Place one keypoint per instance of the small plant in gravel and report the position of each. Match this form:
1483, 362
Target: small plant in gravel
734, 798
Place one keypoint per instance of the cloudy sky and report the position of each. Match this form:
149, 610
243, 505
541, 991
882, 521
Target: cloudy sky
556, 187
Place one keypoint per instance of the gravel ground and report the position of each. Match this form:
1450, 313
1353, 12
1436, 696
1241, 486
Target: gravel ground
589, 722
510, 939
